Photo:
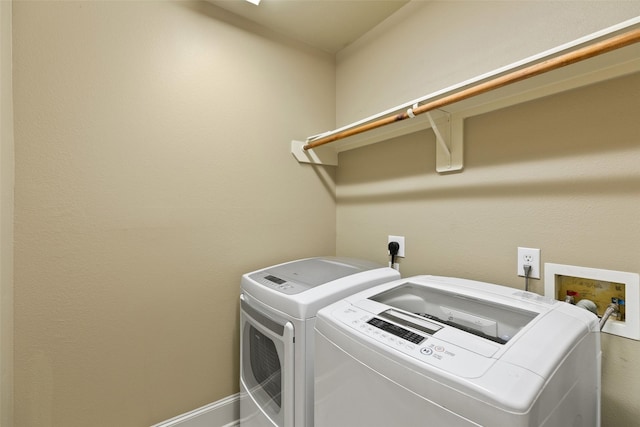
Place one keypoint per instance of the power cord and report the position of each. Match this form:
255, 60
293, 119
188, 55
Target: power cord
394, 247
527, 273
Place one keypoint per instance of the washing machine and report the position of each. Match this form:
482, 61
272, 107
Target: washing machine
278, 307
442, 351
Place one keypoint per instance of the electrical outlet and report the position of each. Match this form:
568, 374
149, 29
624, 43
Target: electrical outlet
400, 240
529, 256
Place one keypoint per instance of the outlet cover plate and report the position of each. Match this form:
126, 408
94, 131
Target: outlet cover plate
400, 240
529, 256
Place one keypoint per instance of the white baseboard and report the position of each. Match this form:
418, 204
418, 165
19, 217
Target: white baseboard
223, 413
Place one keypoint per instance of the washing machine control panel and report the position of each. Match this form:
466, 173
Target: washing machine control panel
398, 331
417, 342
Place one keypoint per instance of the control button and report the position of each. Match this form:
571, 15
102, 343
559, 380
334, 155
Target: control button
439, 348
426, 351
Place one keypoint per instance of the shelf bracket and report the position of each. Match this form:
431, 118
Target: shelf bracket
324, 155
448, 129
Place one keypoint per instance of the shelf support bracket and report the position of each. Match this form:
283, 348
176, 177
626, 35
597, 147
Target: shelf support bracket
324, 155
448, 129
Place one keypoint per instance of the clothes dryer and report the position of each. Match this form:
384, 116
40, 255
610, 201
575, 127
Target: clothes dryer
450, 352
278, 307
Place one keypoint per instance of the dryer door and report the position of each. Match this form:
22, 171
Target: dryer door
266, 368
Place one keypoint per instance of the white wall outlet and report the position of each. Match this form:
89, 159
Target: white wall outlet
400, 240
529, 256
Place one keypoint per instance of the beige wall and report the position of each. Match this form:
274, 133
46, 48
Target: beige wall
150, 134
560, 174
152, 169
430, 45
6, 218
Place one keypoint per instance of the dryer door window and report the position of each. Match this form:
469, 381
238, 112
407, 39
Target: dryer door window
265, 364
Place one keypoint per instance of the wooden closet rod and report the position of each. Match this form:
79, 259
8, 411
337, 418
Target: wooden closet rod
568, 58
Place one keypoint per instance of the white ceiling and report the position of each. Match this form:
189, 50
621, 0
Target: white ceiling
329, 25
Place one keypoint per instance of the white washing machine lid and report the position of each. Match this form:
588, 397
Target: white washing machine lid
496, 343
299, 288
